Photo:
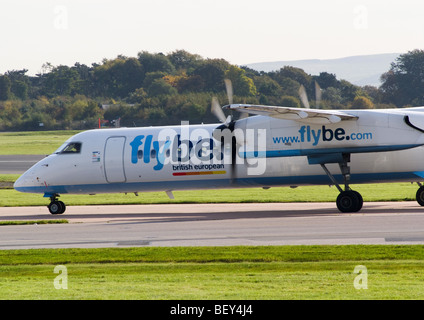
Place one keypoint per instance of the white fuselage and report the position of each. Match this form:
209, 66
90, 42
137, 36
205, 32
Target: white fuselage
268, 152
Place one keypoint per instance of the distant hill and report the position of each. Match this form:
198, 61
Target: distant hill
359, 70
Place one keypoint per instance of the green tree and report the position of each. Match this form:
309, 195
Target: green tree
267, 86
153, 62
183, 60
212, 73
289, 86
348, 91
193, 83
155, 116
20, 83
60, 81
193, 112
5, 86
20, 89
164, 89
403, 84
151, 77
119, 77
361, 102
326, 80
288, 79
85, 83
161, 87
242, 85
333, 96
288, 101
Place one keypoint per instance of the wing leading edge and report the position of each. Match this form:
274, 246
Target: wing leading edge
314, 116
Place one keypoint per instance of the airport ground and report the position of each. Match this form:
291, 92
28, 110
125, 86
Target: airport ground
214, 225
214, 229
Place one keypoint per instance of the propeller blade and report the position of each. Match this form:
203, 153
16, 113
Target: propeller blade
217, 110
318, 95
303, 97
229, 88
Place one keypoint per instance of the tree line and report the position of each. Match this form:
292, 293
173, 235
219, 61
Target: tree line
164, 89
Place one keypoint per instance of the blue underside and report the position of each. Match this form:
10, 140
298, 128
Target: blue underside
323, 151
222, 183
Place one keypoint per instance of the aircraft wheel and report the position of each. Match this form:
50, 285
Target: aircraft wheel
57, 207
349, 201
420, 196
361, 200
63, 207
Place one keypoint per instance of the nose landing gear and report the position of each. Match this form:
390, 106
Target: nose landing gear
56, 206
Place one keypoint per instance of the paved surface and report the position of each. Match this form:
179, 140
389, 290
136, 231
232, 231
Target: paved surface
17, 164
215, 225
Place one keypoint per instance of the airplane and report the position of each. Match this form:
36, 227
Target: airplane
271, 146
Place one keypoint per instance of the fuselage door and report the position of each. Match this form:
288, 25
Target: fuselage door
114, 159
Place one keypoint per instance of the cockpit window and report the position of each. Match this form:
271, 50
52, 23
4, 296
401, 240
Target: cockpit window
72, 147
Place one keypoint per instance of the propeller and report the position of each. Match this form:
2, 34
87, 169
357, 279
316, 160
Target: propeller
229, 88
318, 95
228, 122
304, 97
216, 109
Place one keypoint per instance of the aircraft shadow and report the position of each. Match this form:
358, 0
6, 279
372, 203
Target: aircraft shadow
162, 217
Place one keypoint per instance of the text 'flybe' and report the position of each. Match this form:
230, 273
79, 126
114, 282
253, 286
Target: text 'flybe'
307, 134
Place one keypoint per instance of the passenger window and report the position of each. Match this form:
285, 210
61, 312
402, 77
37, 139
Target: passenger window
140, 154
73, 147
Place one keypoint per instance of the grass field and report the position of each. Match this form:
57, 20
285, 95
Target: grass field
276, 272
33, 142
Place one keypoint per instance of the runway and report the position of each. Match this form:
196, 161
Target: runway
215, 225
17, 164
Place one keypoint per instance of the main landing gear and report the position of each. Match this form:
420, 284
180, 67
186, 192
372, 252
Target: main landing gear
56, 206
420, 195
348, 200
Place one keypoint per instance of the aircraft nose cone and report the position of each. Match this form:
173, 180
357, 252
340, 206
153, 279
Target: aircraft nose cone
24, 182
30, 180
19, 183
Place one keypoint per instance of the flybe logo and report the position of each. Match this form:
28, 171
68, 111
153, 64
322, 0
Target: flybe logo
194, 151
144, 149
307, 134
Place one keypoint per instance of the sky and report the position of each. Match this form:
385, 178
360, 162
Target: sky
64, 32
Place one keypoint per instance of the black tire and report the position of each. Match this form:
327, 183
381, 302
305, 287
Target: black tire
361, 200
56, 207
420, 196
349, 201
63, 207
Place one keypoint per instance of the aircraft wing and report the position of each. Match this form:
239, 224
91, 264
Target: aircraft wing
315, 116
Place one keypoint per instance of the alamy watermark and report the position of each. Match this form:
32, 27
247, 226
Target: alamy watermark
60, 21
190, 147
361, 280
61, 281
360, 20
